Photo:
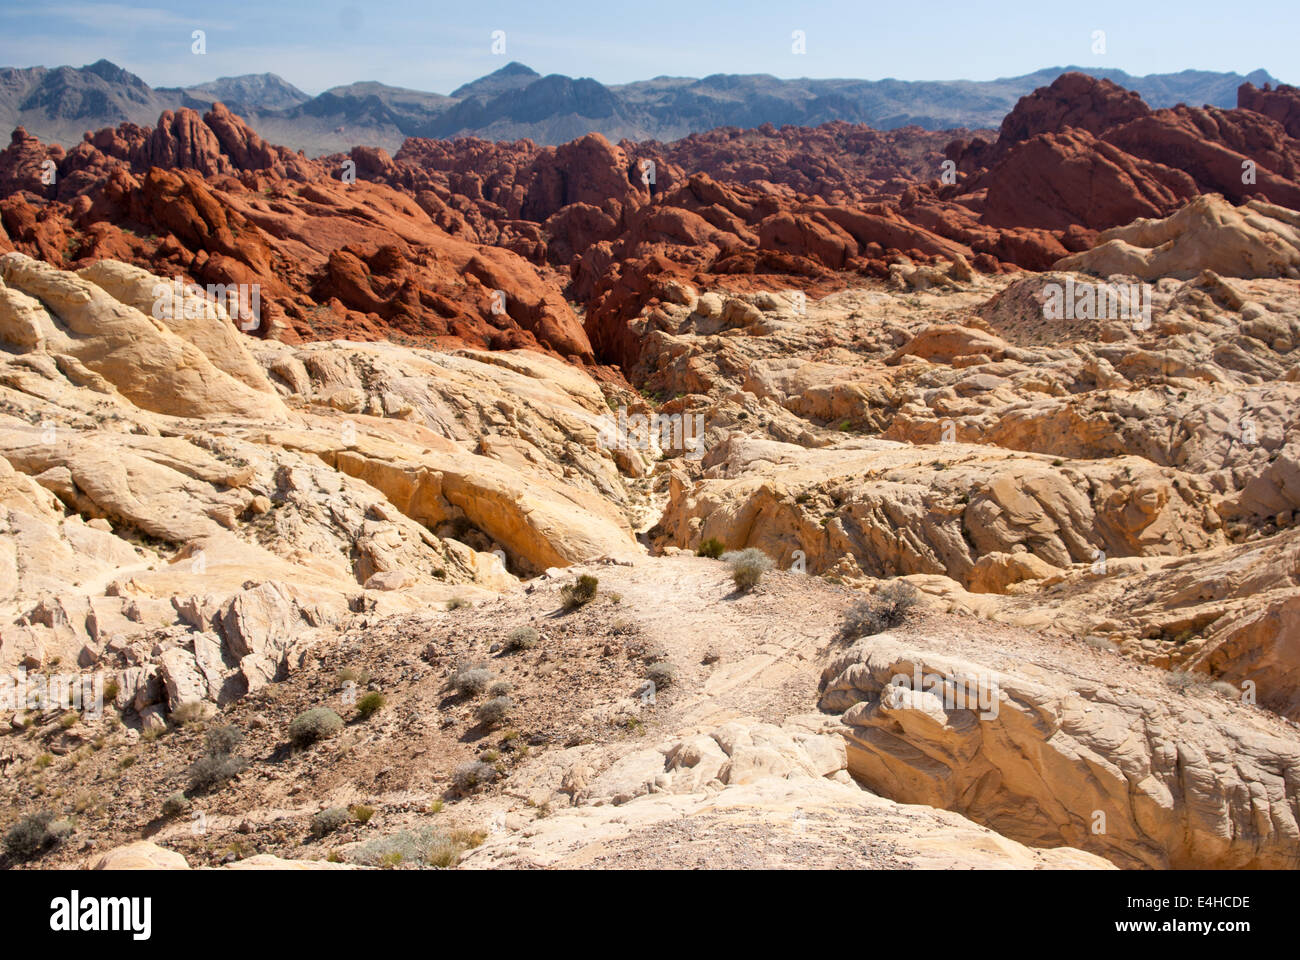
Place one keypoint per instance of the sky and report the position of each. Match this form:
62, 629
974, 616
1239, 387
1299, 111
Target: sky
438, 46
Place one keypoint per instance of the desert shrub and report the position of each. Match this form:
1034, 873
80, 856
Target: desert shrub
469, 776
209, 773
191, 711
69, 719
176, 804
424, 846
362, 813
223, 740
712, 548
370, 704
886, 608
35, 834
327, 821
351, 675
522, 638
471, 681
111, 690
314, 725
747, 567
579, 593
499, 688
1226, 689
661, 674
1183, 680
455, 603
1098, 642
495, 710
446, 850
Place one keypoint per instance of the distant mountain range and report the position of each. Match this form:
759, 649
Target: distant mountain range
60, 104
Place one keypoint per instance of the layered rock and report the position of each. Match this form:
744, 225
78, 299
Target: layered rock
1053, 757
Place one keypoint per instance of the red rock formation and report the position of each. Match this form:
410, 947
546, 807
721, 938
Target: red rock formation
1281, 104
418, 244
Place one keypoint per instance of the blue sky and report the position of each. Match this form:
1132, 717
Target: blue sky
438, 46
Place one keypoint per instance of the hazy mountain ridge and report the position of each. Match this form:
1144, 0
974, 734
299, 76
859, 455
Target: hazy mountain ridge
60, 104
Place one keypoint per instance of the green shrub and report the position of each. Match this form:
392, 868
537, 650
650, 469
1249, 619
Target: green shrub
886, 608
191, 711
455, 603
222, 741
1185, 680
175, 805
747, 567
424, 846
662, 674
522, 638
312, 726
495, 710
35, 834
469, 776
711, 548
327, 821
362, 813
370, 704
579, 593
351, 675
471, 681
209, 773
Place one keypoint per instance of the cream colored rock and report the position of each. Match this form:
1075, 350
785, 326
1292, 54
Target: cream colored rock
141, 855
187, 312
141, 357
1257, 239
1044, 754
798, 822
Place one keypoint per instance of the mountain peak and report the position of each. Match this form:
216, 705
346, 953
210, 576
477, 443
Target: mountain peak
513, 69
513, 76
110, 71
